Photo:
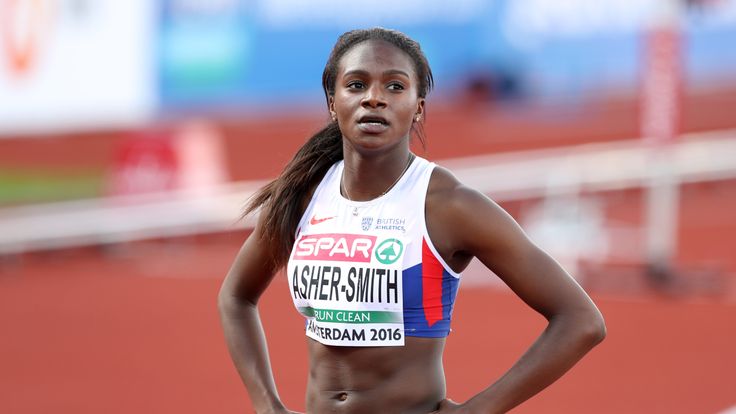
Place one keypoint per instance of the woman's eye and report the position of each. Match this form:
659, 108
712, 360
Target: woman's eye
396, 86
355, 85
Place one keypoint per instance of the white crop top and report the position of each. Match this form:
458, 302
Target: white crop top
365, 273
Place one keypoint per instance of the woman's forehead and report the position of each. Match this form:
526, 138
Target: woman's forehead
379, 55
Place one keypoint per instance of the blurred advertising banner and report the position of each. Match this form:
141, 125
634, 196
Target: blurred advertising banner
144, 163
188, 157
204, 50
69, 65
578, 46
221, 53
263, 54
75, 64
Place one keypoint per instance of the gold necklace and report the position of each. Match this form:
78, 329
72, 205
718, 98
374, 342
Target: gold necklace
345, 189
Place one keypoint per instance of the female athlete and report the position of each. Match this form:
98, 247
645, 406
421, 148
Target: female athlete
373, 239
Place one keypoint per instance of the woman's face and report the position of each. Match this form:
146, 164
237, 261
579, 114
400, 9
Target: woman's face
376, 95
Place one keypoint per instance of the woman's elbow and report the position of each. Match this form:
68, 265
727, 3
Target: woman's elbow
593, 329
227, 300
224, 300
232, 299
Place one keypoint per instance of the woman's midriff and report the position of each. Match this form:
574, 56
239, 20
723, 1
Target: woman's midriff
403, 380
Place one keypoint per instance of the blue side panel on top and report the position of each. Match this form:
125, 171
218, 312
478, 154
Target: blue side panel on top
450, 285
415, 321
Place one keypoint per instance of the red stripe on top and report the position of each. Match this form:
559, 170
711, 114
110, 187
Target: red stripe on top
431, 285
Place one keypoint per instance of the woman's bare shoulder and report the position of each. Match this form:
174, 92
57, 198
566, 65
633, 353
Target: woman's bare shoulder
446, 191
447, 210
463, 219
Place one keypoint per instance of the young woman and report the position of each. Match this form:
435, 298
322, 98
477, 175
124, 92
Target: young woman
374, 239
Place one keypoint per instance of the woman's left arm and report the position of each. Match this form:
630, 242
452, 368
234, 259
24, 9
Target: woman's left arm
477, 226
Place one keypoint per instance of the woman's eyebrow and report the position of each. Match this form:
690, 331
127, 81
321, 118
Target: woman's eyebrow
395, 72
361, 72
358, 72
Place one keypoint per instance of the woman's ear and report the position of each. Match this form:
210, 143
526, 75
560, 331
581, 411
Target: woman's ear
331, 107
420, 110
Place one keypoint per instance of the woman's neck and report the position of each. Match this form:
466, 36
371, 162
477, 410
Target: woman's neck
368, 177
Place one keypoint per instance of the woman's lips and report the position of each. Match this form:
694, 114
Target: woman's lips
372, 127
372, 124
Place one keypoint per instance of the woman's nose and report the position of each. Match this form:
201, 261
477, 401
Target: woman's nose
374, 97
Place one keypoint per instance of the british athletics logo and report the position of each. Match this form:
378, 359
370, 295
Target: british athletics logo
366, 223
335, 247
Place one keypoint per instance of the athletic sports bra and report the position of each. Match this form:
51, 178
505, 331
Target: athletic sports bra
365, 273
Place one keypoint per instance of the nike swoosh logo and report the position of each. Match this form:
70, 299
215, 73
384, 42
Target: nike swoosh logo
316, 220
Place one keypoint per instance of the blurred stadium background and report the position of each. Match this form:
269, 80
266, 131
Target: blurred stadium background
131, 133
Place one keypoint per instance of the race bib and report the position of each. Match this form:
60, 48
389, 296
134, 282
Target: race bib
349, 287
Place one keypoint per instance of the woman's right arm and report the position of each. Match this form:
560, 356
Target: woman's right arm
250, 274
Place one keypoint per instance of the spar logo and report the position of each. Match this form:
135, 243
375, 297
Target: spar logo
389, 251
335, 247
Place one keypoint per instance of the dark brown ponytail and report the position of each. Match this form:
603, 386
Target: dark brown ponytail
282, 201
